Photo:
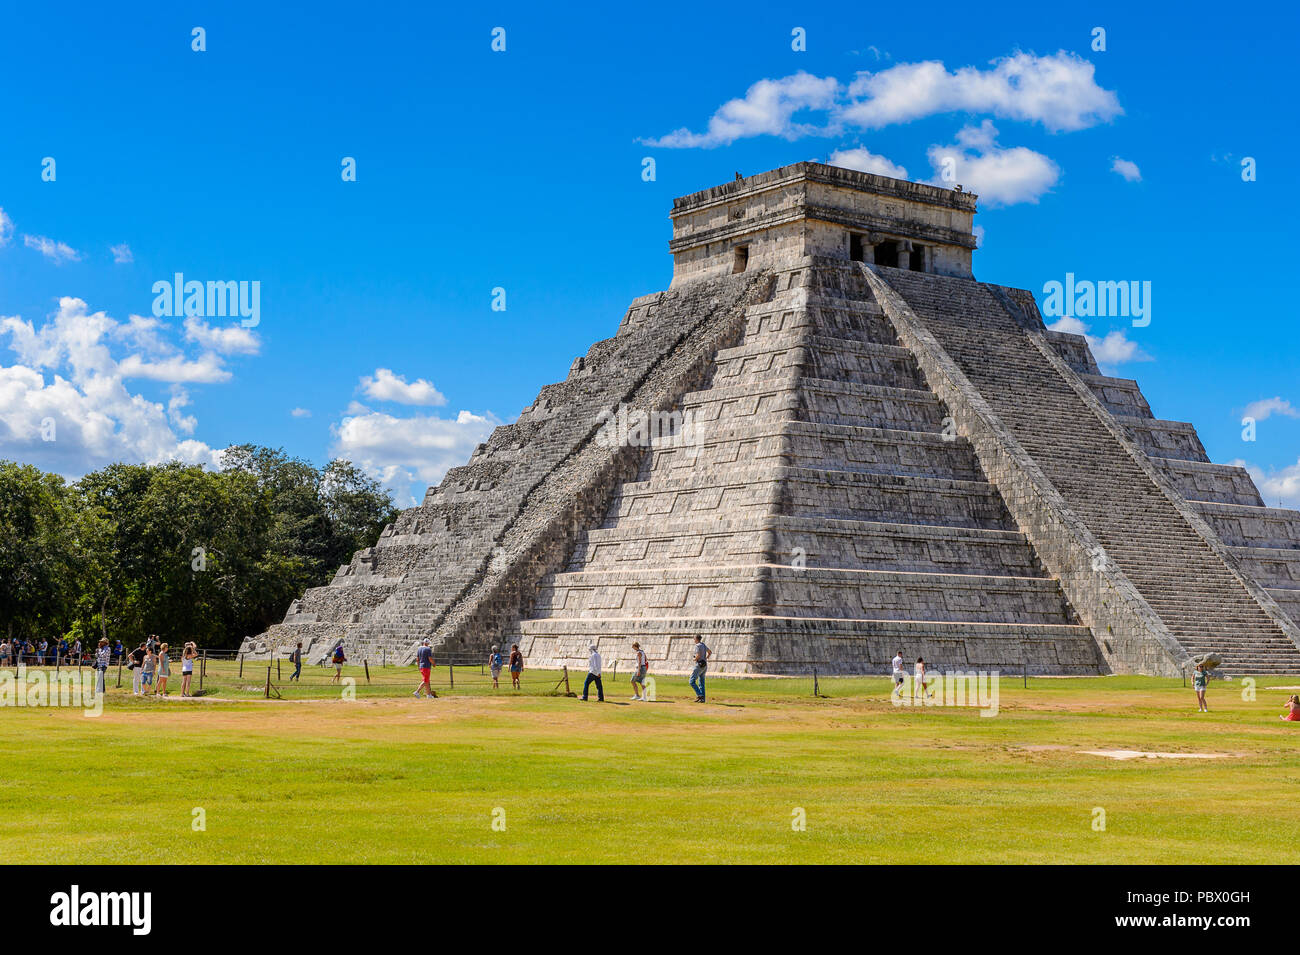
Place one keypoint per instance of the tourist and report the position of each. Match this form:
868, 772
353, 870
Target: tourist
295, 657
187, 666
1199, 678
117, 652
164, 669
339, 659
593, 675
424, 660
494, 664
899, 677
76, 651
516, 665
5, 649
42, 651
638, 677
1292, 714
102, 654
61, 656
150, 667
702, 654
136, 663
919, 679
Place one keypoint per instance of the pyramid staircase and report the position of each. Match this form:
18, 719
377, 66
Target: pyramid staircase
818, 517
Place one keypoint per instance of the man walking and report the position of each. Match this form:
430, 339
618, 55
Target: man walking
702, 654
424, 660
899, 678
593, 675
295, 658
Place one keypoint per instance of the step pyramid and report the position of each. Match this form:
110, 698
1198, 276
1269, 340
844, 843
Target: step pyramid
823, 444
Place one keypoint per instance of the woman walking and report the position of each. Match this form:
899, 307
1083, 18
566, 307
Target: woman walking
187, 666
516, 665
494, 664
918, 679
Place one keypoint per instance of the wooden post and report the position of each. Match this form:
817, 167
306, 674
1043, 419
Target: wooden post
367, 665
241, 666
613, 677
384, 658
203, 668
1024, 673
119, 673
816, 689
566, 680
268, 681
277, 668
451, 674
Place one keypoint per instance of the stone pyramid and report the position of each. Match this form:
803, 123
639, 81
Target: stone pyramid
824, 443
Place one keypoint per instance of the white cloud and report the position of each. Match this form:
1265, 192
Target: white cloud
56, 252
1129, 170
6, 228
300, 413
1276, 487
408, 454
1115, 348
1058, 91
206, 369
226, 339
864, 160
767, 108
122, 254
67, 378
386, 386
998, 176
1265, 408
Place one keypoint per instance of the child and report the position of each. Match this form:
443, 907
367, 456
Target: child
1199, 679
494, 664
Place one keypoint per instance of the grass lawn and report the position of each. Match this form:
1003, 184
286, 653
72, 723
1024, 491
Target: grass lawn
387, 778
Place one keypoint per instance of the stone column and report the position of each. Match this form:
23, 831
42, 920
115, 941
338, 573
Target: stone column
904, 254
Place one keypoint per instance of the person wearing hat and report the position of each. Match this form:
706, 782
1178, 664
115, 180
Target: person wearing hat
424, 659
494, 664
638, 678
593, 675
1199, 680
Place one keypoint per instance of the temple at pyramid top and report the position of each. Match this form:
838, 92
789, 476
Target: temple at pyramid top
813, 209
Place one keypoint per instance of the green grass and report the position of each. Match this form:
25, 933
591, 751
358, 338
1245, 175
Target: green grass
385, 778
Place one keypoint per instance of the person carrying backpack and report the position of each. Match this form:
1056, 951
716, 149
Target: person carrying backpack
494, 664
339, 659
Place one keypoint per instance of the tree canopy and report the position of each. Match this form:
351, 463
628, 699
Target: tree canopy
178, 550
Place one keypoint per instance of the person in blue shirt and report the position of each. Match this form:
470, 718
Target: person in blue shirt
339, 659
424, 660
494, 664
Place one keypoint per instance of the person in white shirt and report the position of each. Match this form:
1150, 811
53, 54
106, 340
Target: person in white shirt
899, 678
638, 678
593, 675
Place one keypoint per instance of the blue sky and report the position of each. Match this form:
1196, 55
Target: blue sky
521, 169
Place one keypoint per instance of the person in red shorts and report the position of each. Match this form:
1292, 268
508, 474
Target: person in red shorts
424, 659
1292, 713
